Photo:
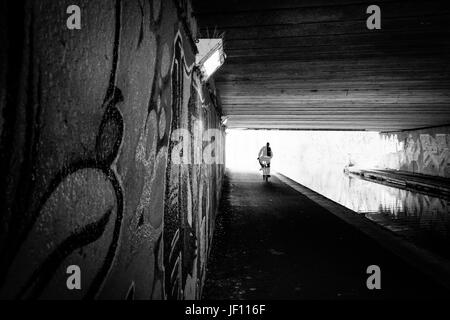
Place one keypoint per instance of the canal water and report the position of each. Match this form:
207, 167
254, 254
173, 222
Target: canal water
422, 219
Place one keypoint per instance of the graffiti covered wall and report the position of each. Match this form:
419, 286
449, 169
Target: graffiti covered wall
424, 151
87, 136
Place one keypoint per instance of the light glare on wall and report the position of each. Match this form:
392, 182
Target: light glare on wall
210, 56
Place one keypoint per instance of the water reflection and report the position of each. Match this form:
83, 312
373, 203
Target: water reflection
423, 219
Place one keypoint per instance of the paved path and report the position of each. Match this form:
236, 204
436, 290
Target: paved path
271, 242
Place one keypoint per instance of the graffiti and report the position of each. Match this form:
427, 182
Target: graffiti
107, 195
174, 215
412, 149
107, 149
427, 153
151, 158
189, 184
436, 151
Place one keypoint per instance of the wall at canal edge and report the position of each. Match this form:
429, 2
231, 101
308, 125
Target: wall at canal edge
425, 151
86, 134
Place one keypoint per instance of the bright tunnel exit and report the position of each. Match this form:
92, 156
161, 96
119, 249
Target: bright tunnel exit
316, 159
311, 150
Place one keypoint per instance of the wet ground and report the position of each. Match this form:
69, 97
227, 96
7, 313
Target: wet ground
271, 242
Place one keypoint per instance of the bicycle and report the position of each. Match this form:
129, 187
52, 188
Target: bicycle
265, 164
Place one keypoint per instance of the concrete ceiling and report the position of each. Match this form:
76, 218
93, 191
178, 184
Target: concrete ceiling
314, 64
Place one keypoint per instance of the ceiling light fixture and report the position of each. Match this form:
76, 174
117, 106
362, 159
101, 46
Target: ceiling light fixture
210, 56
224, 121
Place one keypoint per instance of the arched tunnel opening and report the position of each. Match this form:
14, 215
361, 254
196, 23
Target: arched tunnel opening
224, 150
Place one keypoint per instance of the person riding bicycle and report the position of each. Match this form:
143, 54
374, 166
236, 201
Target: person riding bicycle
265, 154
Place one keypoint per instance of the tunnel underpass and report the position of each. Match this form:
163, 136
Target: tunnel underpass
135, 138
353, 115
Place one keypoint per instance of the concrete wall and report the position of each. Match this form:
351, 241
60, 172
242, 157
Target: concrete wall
424, 151
87, 120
